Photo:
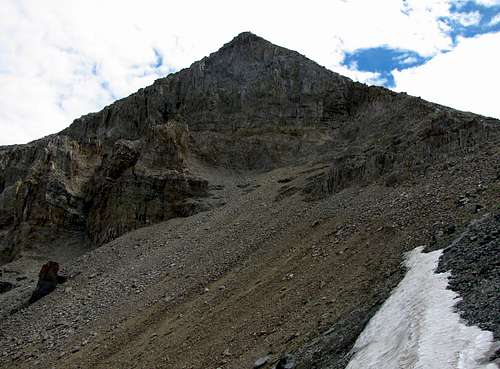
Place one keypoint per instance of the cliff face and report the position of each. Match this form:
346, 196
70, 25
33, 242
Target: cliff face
59, 187
249, 106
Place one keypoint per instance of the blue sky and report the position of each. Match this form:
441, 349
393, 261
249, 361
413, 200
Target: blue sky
65, 58
383, 60
465, 20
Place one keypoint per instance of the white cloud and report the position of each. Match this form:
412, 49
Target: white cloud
467, 19
409, 60
495, 20
371, 78
487, 2
54, 46
465, 78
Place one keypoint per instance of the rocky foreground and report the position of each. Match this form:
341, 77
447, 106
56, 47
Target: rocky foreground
273, 201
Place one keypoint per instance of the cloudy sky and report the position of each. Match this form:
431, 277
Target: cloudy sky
60, 59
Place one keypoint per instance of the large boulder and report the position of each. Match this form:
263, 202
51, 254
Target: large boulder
48, 279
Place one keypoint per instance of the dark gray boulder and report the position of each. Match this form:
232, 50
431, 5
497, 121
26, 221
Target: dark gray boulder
48, 279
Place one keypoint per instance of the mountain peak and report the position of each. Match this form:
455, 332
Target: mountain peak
246, 42
245, 38
248, 51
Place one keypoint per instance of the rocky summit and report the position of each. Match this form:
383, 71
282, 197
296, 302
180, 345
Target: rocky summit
252, 210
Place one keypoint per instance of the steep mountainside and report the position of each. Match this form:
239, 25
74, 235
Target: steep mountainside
285, 197
251, 105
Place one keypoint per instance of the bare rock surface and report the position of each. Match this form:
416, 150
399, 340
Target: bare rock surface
48, 279
474, 263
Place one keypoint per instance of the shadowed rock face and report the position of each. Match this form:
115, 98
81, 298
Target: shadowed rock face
5, 286
250, 106
61, 188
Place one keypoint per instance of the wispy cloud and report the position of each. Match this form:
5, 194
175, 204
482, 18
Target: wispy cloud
495, 20
487, 2
467, 19
409, 60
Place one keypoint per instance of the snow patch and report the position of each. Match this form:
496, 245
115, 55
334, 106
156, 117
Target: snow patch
417, 328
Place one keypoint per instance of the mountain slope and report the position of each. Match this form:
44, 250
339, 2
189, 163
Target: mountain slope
251, 105
288, 191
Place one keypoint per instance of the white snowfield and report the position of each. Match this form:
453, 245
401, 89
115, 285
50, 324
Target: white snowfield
417, 328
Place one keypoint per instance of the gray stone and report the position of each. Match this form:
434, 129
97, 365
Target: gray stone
260, 362
286, 362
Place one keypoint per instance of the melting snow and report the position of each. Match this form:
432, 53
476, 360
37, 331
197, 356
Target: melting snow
417, 328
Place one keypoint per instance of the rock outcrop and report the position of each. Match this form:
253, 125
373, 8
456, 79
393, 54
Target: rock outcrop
5, 286
58, 187
249, 106
48, 279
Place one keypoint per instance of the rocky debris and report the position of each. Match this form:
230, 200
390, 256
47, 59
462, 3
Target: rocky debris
437, 136
442, 233
286, 191
285, 180
473, 260
5, 286
48, 279
286, 362
332, 348
260, 362
209, 245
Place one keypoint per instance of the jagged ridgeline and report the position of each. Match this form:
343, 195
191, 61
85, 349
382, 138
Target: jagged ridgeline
251, 106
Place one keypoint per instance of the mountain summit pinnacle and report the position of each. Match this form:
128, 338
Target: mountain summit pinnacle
245, 37
248, 82
248, 44
248, 47
248, 40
